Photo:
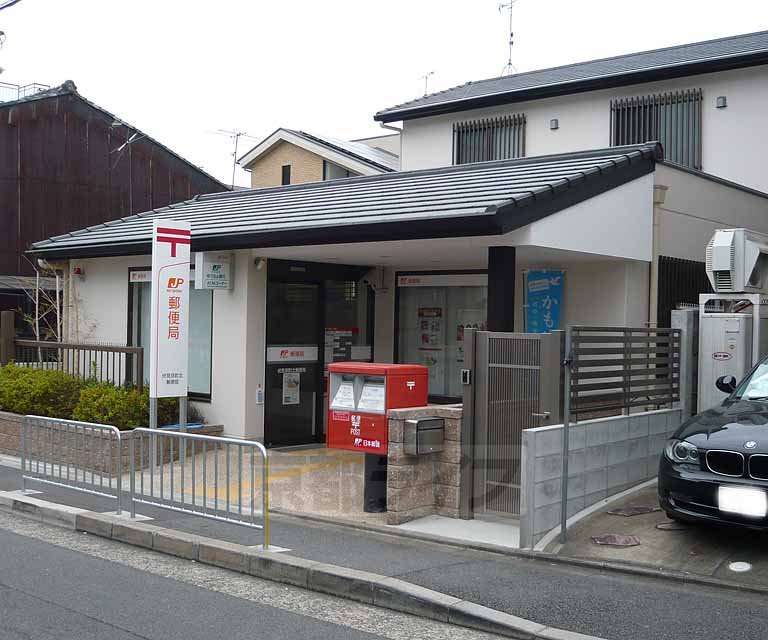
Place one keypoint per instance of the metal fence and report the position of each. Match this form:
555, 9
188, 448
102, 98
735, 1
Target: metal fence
103, 363
76, 455
224, 490
617, 368
10, 92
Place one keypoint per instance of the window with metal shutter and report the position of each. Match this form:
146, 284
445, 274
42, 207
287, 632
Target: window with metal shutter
673, 119
489, 139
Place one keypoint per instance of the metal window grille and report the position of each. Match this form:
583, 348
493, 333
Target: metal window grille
674, 119
489, 139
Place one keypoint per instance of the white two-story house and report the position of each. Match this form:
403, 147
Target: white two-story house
612, 172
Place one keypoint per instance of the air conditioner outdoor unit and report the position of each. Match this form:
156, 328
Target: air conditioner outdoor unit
737, 261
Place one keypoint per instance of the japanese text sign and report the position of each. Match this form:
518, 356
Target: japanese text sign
544, 297
213, 270
168, 352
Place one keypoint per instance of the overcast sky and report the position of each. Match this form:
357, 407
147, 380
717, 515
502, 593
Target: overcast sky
180, 69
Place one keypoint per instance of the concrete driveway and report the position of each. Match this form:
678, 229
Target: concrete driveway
698, 549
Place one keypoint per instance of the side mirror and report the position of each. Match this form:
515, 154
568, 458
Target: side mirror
726, 384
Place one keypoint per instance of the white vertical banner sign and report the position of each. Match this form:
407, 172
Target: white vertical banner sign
168, 351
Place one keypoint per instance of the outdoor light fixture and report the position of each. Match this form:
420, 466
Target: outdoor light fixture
721, 102
554, 123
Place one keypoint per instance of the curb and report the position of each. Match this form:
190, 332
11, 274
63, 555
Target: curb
642, 571
351, 584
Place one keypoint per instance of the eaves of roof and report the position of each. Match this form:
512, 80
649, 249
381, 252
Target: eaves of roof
483, 199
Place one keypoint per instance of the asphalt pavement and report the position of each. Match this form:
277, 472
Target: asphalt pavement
76, 586
601, 603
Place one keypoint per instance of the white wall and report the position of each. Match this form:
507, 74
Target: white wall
617, 223
98, 301
733, 138
99, 313
694, 207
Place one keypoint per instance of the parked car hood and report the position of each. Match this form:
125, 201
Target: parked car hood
729, 426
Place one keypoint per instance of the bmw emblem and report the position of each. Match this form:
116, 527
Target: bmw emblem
750, 444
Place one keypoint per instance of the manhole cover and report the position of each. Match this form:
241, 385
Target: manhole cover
616, 540
740, 567
672, 526
632, 510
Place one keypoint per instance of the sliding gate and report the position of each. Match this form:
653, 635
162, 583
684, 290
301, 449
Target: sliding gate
513, 384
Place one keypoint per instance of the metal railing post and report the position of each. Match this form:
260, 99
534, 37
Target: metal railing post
24, 422
119, 474
566, 424
265, 498
132, 465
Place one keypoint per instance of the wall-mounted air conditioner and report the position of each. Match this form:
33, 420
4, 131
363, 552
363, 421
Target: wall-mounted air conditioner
737, 261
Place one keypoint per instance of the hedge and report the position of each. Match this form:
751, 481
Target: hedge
57, 394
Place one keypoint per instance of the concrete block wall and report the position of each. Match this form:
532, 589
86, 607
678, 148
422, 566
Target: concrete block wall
606, 456
419, 486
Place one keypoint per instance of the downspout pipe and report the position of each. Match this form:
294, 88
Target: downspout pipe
659, 196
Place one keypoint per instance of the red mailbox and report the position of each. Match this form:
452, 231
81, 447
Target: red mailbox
359, 396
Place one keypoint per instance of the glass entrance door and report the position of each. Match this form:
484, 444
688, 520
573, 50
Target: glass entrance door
294, 371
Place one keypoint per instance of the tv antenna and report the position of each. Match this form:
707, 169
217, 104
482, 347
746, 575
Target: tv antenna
425, 78
509, 68
234, 135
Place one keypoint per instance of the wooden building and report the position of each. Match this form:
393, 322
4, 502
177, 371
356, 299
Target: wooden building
66, 163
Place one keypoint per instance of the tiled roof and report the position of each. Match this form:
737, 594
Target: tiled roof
688, 59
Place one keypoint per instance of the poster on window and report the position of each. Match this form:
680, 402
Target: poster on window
291, 387
434, 360
544, 298
430, 326
467, 319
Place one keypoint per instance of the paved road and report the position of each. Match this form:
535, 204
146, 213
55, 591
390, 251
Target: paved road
56, 584
609, 605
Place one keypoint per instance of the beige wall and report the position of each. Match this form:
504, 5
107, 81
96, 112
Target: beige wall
305, 166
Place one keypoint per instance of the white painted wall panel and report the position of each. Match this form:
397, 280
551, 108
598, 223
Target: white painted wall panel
733, 138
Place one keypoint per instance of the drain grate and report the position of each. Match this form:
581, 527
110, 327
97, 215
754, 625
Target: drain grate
616, 540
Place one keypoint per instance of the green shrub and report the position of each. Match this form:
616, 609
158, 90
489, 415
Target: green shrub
125, 407
122, 407
39, 392
59, 395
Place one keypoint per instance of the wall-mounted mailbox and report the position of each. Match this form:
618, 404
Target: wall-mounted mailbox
423, 435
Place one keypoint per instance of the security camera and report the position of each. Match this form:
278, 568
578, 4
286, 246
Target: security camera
375, 279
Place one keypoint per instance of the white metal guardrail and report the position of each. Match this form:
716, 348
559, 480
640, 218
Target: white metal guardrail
77, 455
194, 485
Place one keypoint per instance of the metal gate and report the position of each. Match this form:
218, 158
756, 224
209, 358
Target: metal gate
513, 384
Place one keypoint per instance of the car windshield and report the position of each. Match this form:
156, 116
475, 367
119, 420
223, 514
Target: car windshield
755, 386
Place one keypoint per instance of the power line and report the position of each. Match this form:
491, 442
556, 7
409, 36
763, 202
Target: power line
235, 136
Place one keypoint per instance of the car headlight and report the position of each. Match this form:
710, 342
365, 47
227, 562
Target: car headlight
681, 451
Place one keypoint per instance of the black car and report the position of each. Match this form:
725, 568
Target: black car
715, 466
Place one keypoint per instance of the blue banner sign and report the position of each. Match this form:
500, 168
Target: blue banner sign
544, 296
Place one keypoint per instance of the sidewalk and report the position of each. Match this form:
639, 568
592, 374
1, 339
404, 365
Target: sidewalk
704, 550
567, 597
